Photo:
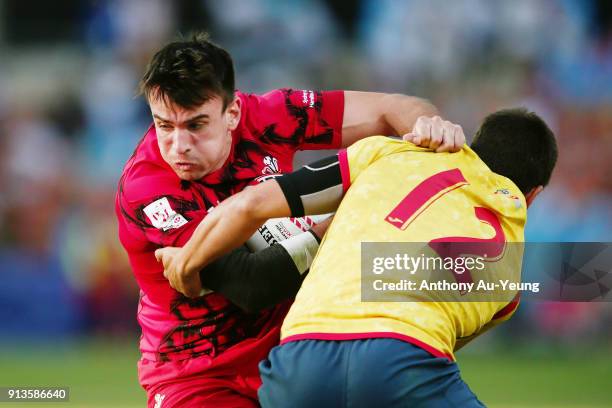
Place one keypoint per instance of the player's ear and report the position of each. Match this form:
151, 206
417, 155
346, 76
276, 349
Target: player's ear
232, 113
532, 194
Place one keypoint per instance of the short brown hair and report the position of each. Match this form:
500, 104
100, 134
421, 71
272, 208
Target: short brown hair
189, 73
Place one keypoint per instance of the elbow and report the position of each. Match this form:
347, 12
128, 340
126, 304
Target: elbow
244, 205
427, 108
249, 206
419, 106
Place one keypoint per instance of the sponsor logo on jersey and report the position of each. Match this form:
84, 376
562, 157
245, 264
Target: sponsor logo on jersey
162, 216
506, 192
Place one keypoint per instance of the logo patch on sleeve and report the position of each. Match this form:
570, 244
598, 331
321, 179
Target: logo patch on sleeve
308, 98
162, 216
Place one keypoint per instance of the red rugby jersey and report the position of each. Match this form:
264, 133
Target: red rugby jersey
155, 209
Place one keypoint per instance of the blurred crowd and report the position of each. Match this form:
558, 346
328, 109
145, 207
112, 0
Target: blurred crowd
69, 119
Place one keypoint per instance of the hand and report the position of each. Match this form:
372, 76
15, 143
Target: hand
436, 134
184, 281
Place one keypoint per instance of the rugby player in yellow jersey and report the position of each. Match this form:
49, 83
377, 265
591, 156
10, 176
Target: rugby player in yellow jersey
338, 351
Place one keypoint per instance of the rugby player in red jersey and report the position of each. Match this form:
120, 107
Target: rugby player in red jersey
207, 142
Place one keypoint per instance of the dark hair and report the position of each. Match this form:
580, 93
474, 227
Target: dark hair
189, 73
517, 144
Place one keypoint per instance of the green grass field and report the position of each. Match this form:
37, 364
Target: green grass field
103, 374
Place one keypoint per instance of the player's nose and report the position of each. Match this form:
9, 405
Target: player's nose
182, 141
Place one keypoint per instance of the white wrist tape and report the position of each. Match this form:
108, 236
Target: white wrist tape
302, 248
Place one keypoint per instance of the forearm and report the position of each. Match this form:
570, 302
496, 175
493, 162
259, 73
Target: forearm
221, 231
370, 113
401, 112
232, 223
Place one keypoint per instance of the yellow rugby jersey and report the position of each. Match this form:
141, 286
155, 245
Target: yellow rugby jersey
402, 193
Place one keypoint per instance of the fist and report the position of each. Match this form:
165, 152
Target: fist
182, 280
436, 134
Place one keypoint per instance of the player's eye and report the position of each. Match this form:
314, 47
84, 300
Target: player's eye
195, 126
164, 126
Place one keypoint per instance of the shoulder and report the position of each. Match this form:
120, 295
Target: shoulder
374, 142
263, 107
146, 174
146, 181
268, 121
376, 146
286, 101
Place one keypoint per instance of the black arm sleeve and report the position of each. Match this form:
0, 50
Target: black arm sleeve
314, 189
254, 281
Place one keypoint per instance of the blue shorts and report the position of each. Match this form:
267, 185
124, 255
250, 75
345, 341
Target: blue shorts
360, 373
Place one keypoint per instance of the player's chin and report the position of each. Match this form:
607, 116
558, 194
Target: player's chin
189, 175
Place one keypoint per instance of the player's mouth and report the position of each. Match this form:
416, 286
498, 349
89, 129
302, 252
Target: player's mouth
184, 166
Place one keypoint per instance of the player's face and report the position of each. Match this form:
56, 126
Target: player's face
195, 142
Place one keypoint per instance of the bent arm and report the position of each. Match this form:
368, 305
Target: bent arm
232, 223
374, 113
314, 189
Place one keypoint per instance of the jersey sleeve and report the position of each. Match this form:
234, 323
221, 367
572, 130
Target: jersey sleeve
298, 119
155, 212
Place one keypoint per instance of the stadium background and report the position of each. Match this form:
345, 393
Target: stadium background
69, 120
